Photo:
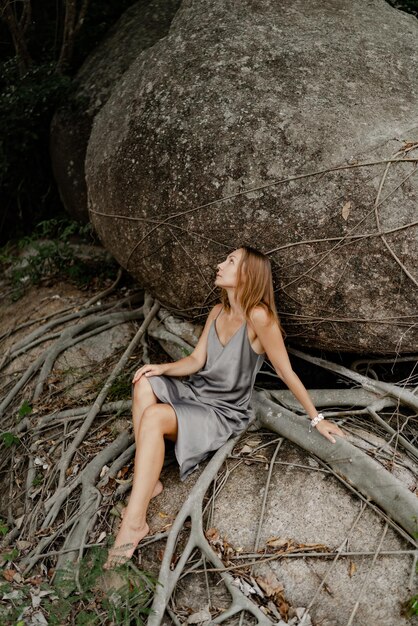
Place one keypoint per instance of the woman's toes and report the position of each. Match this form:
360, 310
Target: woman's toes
125, 544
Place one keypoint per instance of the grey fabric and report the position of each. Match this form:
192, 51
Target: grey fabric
214, 403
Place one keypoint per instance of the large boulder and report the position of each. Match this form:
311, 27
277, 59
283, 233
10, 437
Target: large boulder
271, 97
140, 27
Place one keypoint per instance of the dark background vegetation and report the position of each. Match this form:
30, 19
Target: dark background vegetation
36, 67
42, 44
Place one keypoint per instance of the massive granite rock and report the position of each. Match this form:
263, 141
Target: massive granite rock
271, 97
140, 27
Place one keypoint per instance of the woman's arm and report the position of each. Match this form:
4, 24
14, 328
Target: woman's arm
271, 338
189, 364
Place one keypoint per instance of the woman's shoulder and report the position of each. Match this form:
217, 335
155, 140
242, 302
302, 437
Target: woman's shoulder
216, 310
260, 316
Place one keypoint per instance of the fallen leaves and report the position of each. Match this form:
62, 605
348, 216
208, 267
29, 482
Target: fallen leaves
274, 590
282, 545
352, 569
224, 549
346, 210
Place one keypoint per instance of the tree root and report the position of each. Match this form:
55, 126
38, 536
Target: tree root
68, 507
192, 509
356, 467
54, 503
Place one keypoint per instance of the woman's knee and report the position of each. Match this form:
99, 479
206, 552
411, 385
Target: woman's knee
158, 417
141, 387
152, 418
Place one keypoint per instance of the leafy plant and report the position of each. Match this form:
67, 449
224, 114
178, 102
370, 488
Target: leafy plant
38, 480
4, 529
9, 439
50, 253
78, 596
121, 387
25, 409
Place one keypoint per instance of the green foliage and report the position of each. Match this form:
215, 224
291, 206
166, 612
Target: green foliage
4, 529
38, 480
80, 598
53, 257
121, 388
9, 439
10, 556
411, 607
28, 102
25, 409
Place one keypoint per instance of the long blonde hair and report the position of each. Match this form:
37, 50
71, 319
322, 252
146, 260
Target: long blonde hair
254, 285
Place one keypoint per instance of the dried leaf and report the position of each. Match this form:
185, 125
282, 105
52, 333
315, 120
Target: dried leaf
13, 595
36, 600
162, 514
72, 470
104, 470
212, 534
244, 587
101, 536
352, 569
8, 574
269, 584
246, 450
23, 545
123, 471
35, 580
346, 210
19, 521
37, 619
277, 542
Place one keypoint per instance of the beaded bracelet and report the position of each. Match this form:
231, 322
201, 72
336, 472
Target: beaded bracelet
315, 421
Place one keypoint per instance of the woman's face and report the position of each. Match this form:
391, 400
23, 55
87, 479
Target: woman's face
228, 270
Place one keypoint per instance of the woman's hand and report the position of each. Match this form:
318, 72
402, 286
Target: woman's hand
326, 428
149, 370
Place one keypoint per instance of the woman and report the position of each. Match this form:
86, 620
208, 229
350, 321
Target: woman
201, 413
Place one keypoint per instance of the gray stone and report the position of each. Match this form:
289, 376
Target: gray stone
140, 27
77, 367
305, 504
241, 95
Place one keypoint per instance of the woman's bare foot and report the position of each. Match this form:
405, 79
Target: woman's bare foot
157, 490
125, 544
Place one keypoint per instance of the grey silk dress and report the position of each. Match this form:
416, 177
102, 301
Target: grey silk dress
213, 404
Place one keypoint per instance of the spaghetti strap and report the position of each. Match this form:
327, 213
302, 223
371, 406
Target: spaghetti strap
220, 311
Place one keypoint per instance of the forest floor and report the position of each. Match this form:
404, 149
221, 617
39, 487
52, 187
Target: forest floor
67, 355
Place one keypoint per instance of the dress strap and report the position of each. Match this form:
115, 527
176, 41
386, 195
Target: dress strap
221, 309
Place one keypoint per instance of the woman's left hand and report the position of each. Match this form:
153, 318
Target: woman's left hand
327, 428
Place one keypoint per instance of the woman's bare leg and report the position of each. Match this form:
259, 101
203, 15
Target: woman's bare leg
143, 397
157, 421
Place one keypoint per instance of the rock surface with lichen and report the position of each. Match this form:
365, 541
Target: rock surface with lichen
231, 130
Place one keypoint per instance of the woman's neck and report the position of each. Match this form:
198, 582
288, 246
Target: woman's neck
234, 308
